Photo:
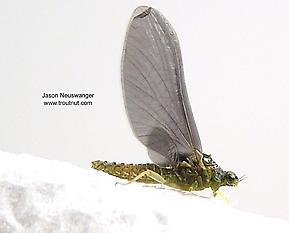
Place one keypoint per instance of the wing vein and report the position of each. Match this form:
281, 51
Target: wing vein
178, 127
165, 69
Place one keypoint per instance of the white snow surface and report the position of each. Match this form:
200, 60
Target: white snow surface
40, 195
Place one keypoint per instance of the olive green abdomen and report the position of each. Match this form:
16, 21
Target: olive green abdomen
127, 171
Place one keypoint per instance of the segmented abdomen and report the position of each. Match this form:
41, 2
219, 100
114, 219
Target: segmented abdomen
127, 171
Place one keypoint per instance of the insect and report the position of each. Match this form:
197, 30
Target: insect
159, 111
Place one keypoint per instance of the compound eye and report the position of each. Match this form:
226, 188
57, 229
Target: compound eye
231, 177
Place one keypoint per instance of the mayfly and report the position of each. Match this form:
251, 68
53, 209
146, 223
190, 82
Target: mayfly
159, 111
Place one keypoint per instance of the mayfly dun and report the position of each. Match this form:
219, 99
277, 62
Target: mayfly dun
159, 111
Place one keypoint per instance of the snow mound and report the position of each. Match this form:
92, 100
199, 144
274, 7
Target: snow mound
40, 195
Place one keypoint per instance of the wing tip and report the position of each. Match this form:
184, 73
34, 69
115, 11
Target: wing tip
141, 12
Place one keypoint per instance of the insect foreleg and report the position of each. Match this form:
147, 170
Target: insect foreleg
221, 195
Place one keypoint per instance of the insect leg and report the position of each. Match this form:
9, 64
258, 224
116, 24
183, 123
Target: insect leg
221, 195
200, 159
151, 174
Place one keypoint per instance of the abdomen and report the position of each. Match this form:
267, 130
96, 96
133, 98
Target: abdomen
127, 171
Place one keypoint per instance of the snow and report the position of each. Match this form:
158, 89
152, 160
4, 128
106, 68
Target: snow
40, 195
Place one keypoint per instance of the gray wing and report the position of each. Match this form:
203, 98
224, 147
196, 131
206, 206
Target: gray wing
154, 89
